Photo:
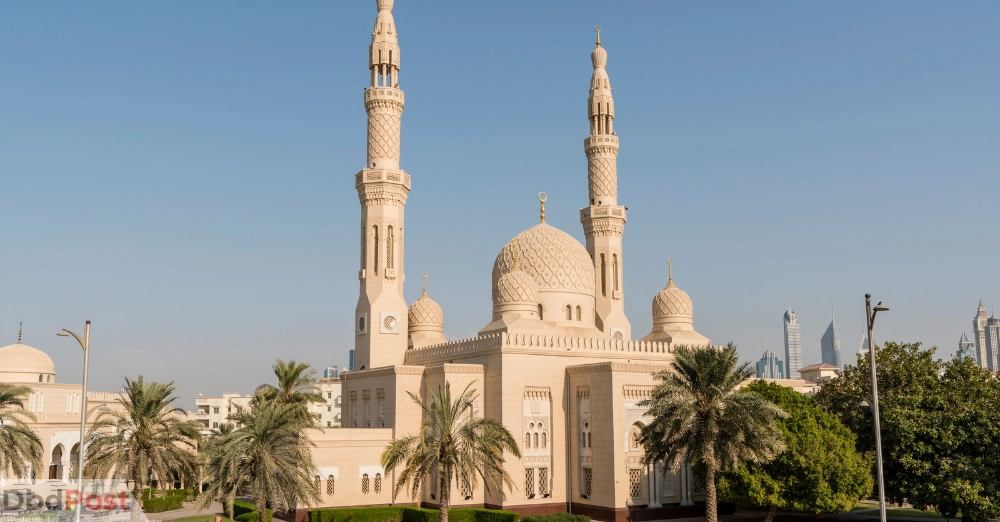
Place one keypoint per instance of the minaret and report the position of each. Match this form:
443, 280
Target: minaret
380, 321
604, 220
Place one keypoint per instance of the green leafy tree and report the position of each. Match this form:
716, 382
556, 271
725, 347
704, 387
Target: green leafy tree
296, 386
19, 446
145, 437
701, 416
820, 471
909, 392
270, 452
454, 444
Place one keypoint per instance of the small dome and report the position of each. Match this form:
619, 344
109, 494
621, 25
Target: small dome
515, 287
553, 258
21, 358
384, 4
674, 303
425, 311
599, 57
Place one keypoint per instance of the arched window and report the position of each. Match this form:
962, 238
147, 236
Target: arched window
40, 378
544, 439
614, 269
364, 483
376, 249
569, 313
527, 440
536, 440
539, 312
378, 483
590, 441
388, 247
579, 314
604, 277
329, 485
316, 482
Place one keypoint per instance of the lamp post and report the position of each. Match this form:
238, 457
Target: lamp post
85, 344
870, 315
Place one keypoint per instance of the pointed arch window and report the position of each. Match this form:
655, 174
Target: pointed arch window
569, 313
579, 313
389, 247
604, 276
539, 312
614, 270
535, 438
376, 249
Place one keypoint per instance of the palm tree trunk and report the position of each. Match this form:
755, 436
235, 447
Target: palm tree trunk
445, 497
711, 509
135, 514
770, 514
261, 506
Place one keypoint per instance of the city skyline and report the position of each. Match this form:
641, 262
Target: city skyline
179, 178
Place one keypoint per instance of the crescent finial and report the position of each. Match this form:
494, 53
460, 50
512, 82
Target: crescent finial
425, 281
598, 29
670, 269
542, 198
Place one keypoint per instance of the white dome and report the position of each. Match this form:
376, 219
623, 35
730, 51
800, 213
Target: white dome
425, 311
672, 305
515, 287
21, 358
553, 258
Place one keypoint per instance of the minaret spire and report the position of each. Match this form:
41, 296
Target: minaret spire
20, 330
381, 314
604, 220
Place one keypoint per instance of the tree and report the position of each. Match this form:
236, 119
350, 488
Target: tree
701, 416
20, 448
820, 471
909, 390
454, 444
296, 386
270, 452
146, 437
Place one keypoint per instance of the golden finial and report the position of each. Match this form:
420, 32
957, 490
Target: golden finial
425, 281
670, 270
20, 330
542, 198
598, 29
514, 251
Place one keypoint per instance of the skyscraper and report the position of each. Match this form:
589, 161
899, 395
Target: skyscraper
770, 367
830, 344
986, 330
966, 348
793, 344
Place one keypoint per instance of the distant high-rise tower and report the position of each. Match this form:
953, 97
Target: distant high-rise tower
831, 345
770, 367
966, 348
986, 330
793, 344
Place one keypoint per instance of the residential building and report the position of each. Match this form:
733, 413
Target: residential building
793, 344
770, 367
830, 345
329, 409
212, 412
819, 373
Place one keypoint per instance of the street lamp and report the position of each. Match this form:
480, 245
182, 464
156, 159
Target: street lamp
85, 344
870, 315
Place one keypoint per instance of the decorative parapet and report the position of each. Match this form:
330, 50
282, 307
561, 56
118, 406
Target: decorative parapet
379, 372
637, 391
501, 340
612, 366
537, 393
454, 368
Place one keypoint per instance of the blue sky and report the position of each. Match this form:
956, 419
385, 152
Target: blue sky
182, 173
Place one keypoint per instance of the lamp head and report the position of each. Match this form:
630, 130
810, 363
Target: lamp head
63, 334
881, 307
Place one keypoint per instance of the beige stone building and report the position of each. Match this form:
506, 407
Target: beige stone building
56, 407
212, 412
557, 362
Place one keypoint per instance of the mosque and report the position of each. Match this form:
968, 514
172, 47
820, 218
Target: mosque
557, 363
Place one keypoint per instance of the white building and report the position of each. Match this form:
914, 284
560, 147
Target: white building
793, 345
212, 411
329, 410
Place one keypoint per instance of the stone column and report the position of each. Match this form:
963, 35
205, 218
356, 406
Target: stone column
686, 486
654, 486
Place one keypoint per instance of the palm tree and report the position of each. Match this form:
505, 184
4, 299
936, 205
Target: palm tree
20, 448
455, 445
145, 437
700, 416
296, 385
270, 453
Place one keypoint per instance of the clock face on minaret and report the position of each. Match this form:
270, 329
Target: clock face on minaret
380, 317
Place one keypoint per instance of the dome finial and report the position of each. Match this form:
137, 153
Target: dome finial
670, 270
542, 198
514, 252
598, 29
425, 283
20, 330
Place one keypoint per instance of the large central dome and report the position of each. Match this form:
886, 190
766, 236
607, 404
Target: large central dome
555, 260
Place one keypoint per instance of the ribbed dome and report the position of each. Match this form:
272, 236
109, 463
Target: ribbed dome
599, 57
515, 287
384, 4
22, 358
555, 260
672, 302
425, 311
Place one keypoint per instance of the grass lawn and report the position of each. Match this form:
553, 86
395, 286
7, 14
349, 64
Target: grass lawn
202, 518
910, 512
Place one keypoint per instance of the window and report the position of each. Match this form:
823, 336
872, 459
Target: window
364, 484
329, 484
40, 377
378, 483
527, 440
635, 440
329, 395
604, 277
588, 481
216, 409
536, 440
327, 424
579, 313
543, 439
543, 482
329, 408
614, 269
388, 247
466, 488
590, 441
569, 313
316, 482
529, 482
376, 252
215, 424
539, 312
634, 476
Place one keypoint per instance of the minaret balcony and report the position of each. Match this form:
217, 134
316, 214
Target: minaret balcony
600, 140
373, 176
599, 211
385, 94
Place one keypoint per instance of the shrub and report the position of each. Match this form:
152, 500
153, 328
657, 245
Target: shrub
246, 512
485, 515
159, 505
557, 517
410, 514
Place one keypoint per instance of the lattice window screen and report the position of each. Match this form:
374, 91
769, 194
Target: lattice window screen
529, 482
378, 483
329, 485
634, 478
364, 483
543, 481
316, 482
588, 481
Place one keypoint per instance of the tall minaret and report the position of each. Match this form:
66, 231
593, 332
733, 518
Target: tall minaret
380, 320
604, 220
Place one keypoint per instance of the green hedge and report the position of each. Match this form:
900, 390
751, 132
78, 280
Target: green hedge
409, 514
557, 517
159, 505
246, 512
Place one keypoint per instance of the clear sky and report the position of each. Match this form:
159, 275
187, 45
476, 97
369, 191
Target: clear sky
182, 173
